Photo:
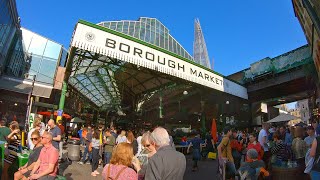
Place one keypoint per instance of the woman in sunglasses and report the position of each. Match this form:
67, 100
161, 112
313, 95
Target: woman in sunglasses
25, 170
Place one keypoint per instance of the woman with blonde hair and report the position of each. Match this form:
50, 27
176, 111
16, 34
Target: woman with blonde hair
119, 166
25, 170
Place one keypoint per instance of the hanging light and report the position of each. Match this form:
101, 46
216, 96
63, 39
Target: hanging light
185, 92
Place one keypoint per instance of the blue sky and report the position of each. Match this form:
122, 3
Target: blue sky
237, 33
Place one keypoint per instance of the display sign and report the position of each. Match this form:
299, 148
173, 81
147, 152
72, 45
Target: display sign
106, 42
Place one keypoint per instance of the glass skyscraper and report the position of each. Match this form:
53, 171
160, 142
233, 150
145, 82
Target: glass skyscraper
149, 30
9, 24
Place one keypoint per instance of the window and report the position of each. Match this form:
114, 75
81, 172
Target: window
52, 50
37, 45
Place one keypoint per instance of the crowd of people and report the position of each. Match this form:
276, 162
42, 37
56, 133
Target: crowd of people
150, 155
43, 140
256, 154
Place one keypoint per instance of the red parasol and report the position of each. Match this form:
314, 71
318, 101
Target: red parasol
48, 113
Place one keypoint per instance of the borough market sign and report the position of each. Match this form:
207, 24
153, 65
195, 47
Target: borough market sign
117, 45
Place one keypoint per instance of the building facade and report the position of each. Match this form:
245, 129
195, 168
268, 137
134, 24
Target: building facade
9, 25
308, 14
303, 108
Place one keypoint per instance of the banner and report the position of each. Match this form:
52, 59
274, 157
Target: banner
113, 44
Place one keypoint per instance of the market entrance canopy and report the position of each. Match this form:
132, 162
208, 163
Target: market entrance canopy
107, 66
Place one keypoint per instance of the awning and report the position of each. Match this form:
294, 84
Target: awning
24, 86
282, 118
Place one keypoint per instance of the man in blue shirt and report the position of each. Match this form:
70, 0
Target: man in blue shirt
196, 144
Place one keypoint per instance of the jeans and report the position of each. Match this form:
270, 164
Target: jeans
107, 157
60, 149
231, 169
95, 159
86, 151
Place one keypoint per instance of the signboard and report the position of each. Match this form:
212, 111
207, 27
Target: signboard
264, 108
116, 45
31, 119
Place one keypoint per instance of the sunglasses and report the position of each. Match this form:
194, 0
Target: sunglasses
148, 145
35, 139
42, 137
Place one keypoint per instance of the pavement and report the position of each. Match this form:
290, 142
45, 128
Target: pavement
74, 171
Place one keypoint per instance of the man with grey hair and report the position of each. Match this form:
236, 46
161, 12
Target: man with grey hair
166, 163
46, 166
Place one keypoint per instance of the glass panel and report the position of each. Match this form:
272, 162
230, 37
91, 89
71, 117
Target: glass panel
119, 26
26, 38
137, 30
113, 25
125, 27
131, 28
37, 45
161, 41
170, 44
63, 58
52, 50
48, 69
35, 63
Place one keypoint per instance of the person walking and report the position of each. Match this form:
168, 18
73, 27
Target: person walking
87, 139
196, 144
95, 152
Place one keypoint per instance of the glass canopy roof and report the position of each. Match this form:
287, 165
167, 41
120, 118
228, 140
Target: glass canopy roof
149, 30
109, 82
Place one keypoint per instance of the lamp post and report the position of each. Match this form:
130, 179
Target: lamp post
29, 104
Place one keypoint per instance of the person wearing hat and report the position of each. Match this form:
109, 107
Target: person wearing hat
311, 136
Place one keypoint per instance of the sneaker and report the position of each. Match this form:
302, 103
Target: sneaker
80, 162
96, 172
88, 162
93, 174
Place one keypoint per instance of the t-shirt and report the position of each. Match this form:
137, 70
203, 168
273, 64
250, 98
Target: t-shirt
80, 133
33, 157
55, 132
196, 142
4, 132
263, 133
111, 141
61, 128
226, 148
257, 147
309, 140
49, 155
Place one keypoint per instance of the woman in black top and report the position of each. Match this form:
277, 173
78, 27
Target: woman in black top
25, 170
14, 141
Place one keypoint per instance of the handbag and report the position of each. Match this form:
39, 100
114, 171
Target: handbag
90, 147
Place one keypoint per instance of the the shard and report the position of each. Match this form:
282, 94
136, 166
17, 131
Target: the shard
200, 52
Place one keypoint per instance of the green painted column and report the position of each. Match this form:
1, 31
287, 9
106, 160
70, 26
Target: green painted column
203, 118
62, 100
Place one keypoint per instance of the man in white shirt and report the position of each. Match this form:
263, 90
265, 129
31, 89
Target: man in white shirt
122, 137
263, 140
